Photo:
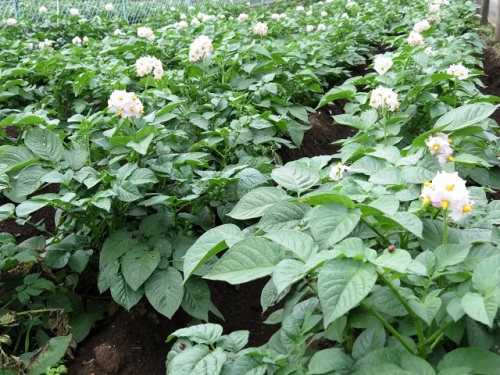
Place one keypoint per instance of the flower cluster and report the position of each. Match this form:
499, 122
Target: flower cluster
415, 39
458, 70
382, 64
434, 18
117, 32
243, 17
181, 25
45, 44
195, 22
439, 145
321, 27
145, 32
148, 64
77, 41
300, 8
200, 48
448, 191
337, 171
421, 26
109, 7
430, 51
10, 22
42, 10
344, 16
74, 12
383, 97
324, 14
275, 17
309, 28
125, 103
260, 29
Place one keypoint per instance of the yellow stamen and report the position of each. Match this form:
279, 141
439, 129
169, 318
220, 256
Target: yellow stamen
435, 147
466, 209
427, 200
450, 140
450, 158
427, 183
445, 204
450, 187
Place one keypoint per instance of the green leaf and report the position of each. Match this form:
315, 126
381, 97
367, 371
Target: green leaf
142, 176
331, 223
480, 361
207, 333
196, 299
397, 260
165, 291
286, 273
142, 146
197, 360
250, 259
123, 294
338, 92
283, 215
79, 260
482, 308
138, 264
320, 198
256, 202
295, 178
49, 354
368, 341
428, 308
487, 274
234, 342
81, 324
450, 255
300, 244
127, 192
15, 158
209, 244
327, 360
115, 246
81, 81
29, 180
27, 207
342, 285
465, 116
407, 221
45, 144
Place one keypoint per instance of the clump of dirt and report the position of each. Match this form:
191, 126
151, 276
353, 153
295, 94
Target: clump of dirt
491, 67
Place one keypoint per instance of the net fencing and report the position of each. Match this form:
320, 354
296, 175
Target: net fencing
130, 10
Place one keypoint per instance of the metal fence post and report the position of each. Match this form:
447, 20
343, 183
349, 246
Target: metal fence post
497, 24
125, 12
484, 12
16, 8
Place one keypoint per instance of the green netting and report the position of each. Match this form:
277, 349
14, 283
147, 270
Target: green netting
131, 10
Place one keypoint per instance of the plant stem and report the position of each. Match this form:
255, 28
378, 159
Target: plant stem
37, 311
382, 237
445, 228
420, 332
390, 328
436, 336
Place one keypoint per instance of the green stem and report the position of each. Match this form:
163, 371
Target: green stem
436, 336
37, 311
420, 332
445, 228
382, 237
390, 328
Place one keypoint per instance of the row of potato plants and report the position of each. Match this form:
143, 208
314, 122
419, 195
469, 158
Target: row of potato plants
391, 283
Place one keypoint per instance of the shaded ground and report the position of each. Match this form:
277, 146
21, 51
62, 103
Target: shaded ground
132, 343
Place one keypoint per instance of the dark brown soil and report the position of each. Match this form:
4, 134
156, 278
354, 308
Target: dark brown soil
491, 61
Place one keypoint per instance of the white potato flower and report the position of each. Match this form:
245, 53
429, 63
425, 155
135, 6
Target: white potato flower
383, 97
448, 191
382, 64
337, 171
125, 103
429, 51
242, 17
77, 40
148, 64
74, 12
109, 7
321, 27
10, 22
459, 71
415, 39
181, 25
117, 32
309, 13
439, 145
421, 26
42, 10
275, 17
434, 18
309, 28
300, 8
324, 14
200, 48
85, 40
145, 32
260, 29
344, 16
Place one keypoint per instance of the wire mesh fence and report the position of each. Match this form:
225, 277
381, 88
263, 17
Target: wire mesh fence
129, 10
